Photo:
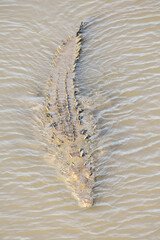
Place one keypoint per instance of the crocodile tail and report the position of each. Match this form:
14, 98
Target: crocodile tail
79, 40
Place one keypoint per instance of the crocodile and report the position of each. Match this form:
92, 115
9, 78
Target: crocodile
64, 117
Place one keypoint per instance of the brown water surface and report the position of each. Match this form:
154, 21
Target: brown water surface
119, 75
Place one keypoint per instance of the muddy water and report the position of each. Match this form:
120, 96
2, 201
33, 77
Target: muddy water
119, 75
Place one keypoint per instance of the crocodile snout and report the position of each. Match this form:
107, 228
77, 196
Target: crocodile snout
84, 202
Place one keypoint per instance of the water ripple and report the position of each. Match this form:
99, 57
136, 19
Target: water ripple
118, 74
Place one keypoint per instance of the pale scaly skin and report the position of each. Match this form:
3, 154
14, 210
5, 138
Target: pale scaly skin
64, 117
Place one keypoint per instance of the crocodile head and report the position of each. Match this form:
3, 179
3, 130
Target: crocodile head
81, 182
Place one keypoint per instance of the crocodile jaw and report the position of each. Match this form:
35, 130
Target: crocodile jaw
84, 202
